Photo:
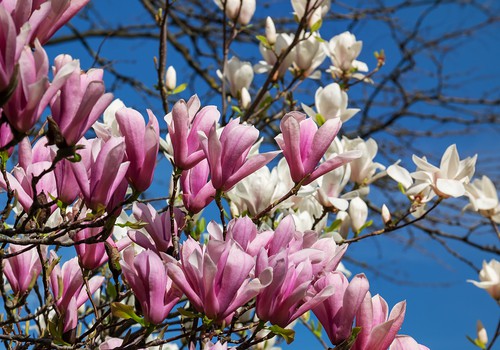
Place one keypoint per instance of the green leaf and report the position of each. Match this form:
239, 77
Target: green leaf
348, 343
320, 119
133, 225
179, 89
287, 334
111, 290
319, 39
477, 342
315, 27
4, 156
263, 40
126, 312
236, 109
401, 188
334, 226
187, 313
367, 224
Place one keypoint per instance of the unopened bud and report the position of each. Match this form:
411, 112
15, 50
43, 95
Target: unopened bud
386, 214
245, 98
270, 31
482, 336
171, 78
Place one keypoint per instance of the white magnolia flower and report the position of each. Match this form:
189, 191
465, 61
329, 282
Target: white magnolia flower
489, 277
358, 211
239, 74
446, 181
270, 31
271, 54
240, 11
109, 127
255, 192
314, 9
483, 197
171, 78
343, 50
331, 102
386, 214
482, 335
308, 55
245, 98
364, 168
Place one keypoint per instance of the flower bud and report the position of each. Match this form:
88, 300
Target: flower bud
171, 78
245, 98
358, 211
386, 214
482, 336
270, 31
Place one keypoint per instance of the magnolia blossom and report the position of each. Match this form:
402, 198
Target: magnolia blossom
270, 31
330, 102
240, 11
141, 145
446, 181
378, 327
158, 227
483, 198
109, 126
308, 55
314, 10
337, 312
405, 342
216, 277
197, 189
489, 278
68, 289
80, 101
271, 54
304, 145
228, 154
171, 78
343, 51
23, 269
363, 169
239, 74
33, 91
255, 192
358, 212
147, 275
103, 183
184, 124
11, 47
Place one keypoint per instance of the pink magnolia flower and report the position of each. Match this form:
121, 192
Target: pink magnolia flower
216, 346
378, 327
46, 23
290, 294
33, 91
45, 17
80, 101
227, 155
183, 128
146, 274
197, 189
6, 135
68, 289
304, 145
157, 226
23, 269
11, 46
142, 143
337, 312
405, 342
244, 232
216, 277
103, 184
93, 255
32, 162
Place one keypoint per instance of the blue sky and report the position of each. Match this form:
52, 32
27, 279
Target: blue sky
442, 307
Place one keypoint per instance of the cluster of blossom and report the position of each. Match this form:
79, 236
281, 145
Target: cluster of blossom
276, 260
